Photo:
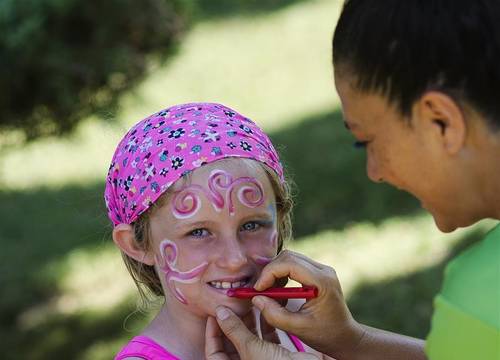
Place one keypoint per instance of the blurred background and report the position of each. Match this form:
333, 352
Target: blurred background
75, 75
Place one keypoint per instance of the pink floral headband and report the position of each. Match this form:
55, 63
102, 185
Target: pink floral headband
164, 146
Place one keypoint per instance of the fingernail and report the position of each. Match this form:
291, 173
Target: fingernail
222, 313
258, 301
256, 285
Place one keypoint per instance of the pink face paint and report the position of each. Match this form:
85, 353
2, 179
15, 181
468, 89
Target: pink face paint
250, 195
168, 250
186, 202
274, 240
264, 260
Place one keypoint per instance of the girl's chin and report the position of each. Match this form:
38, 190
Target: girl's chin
242, 308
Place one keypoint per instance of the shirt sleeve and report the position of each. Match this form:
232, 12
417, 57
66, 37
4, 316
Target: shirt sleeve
466, 319
459, 336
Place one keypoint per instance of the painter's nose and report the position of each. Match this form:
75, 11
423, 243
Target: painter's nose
373, 169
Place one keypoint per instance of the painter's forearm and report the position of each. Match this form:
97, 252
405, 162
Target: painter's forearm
378, 344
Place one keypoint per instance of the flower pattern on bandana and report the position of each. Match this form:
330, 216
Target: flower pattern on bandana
160, 149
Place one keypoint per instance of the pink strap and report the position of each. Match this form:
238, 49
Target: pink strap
145, 348
296, 342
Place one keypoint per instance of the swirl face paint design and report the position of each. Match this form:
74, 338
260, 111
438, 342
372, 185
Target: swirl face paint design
168, 250
186, 202
250, 195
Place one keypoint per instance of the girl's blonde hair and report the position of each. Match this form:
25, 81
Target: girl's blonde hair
145, 277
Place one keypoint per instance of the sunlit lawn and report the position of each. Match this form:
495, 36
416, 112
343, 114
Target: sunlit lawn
65, 292
273, 67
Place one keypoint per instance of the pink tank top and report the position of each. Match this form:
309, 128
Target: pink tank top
145, 348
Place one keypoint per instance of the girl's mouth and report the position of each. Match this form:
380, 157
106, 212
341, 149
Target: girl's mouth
224, 285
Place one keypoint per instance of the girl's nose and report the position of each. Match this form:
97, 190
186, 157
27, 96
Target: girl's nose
233, 255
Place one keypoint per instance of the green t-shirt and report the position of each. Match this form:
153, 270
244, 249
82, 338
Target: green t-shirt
466, 319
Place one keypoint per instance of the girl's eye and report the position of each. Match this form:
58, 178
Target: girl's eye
360, 144
250, 226
199, 232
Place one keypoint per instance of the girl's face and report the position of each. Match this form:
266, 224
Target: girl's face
216, 231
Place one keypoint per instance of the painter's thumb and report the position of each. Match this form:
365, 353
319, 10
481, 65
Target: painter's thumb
278, 316
236, 331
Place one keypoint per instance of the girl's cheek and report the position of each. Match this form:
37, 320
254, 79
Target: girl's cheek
264, 250
193, 257
270, 241
173, 274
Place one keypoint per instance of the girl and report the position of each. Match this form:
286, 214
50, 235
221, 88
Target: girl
199, 204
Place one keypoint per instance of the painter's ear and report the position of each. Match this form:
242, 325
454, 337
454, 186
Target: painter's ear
444, 118
124, 238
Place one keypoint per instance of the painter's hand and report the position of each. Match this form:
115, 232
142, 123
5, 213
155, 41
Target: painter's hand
324, 323
244, 344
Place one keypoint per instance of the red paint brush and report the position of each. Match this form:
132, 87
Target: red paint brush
306, 292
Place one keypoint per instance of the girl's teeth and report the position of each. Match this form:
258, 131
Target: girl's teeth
227, 284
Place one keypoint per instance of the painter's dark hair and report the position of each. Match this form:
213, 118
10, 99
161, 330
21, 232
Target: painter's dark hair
403, 48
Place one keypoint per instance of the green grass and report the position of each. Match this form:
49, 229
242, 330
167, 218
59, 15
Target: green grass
273, 67
65, 292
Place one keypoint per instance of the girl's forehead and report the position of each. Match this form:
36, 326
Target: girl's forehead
228, 169
222, 192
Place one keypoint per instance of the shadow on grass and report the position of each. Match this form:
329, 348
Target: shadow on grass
39, 227
332, 189
405, 304
69, 336
210, 9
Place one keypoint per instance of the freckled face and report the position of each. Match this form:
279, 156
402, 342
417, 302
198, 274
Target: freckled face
399, 154
216, 231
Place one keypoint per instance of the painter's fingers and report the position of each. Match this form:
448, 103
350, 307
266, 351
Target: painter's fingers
235, 330
249, 346
279, 317
322, 322
294, 266
268, 331
214, 345
281, 282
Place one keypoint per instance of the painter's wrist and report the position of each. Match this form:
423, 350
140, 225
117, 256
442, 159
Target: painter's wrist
348, 344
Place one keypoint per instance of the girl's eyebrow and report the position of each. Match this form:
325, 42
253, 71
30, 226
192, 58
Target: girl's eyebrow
264, 216
191, 225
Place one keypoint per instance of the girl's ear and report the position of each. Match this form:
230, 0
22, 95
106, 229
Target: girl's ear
443, 117
124, 238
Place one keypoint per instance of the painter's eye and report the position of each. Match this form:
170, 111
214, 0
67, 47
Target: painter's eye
199, 232
360, 144
250, 226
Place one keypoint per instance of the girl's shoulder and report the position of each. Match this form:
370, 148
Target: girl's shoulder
144, 348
